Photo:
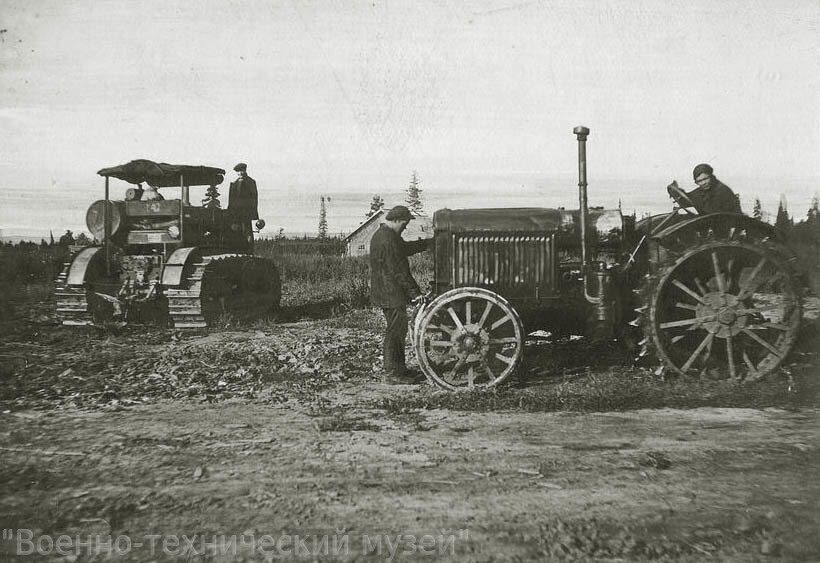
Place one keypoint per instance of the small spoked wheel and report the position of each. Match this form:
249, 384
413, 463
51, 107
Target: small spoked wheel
468, 337
725, 309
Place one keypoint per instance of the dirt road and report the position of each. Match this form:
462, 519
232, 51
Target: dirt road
506, 486
316, 460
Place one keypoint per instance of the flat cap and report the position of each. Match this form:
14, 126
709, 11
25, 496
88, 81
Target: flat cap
240, 167
399, 213
701, 169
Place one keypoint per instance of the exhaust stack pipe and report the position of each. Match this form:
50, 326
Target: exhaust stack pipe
581, 133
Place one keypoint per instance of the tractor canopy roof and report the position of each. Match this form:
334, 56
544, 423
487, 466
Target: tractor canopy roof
163, 175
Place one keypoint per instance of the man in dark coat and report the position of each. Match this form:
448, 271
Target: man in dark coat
712, 195
392, 287
242, 196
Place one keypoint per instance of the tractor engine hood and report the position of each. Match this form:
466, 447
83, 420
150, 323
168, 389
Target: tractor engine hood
524, 220
521, 219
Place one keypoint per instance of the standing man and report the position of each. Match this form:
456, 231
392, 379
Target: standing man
392, 287
712, 195
242, 198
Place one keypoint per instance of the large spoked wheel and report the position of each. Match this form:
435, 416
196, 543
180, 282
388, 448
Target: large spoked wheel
468, 337
727, 309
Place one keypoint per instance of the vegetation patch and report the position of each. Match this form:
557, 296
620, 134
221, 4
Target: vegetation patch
616, 391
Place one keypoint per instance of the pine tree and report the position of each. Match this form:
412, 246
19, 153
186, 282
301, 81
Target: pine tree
323, 220
413, 199
375, 205
813, 216
211, 200
782, 221
757, 210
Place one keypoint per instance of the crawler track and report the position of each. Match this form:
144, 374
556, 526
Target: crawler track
235, 285
72, 305
224, 285
184, 304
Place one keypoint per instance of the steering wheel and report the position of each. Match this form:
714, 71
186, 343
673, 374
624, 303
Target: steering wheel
679, 196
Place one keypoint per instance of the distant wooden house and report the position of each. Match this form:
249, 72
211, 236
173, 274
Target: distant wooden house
358, 242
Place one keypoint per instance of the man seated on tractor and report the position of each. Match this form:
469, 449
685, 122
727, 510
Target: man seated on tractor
711, 195
151, 194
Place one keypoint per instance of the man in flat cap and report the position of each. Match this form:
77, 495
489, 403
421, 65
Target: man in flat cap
711, 195
392, 287
243, 198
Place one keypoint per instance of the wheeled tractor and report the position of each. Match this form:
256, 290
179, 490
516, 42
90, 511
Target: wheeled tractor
705, 294
165, 260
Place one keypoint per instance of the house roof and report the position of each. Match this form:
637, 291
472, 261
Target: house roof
369, 220
418, 218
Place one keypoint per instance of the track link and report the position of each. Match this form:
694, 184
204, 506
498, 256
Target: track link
185, 304
72, 305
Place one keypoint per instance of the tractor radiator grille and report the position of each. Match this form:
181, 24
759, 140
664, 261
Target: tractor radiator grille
520, 265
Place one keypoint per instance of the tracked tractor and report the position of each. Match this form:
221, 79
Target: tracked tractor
165, 260
715, 295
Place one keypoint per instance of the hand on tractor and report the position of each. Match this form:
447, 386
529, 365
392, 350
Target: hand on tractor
680, 197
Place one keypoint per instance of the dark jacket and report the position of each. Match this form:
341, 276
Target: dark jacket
719, 198
391, 283
243, 199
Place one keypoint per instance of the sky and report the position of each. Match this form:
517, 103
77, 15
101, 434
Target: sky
346, 99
